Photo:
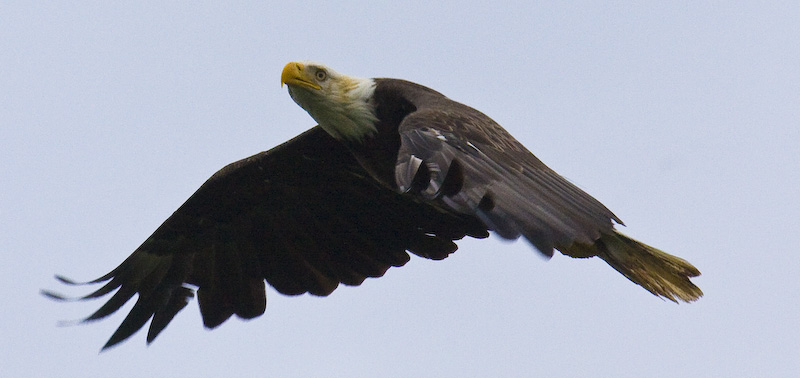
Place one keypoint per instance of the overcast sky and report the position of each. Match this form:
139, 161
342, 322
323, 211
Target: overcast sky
681, 117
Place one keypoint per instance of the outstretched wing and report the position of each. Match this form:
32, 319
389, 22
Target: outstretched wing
454, 155
304, 216
459, 157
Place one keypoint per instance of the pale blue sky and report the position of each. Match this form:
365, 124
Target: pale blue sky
681, 117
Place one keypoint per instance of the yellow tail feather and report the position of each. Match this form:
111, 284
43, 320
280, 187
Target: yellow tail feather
660, 273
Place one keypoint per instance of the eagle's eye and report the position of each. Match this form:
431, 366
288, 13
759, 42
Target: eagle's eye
321, 75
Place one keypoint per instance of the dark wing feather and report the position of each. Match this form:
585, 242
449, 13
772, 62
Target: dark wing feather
304, 216
456, 156
475, 167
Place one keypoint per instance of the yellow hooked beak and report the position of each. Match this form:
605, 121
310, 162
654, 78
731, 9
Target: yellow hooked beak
294, 74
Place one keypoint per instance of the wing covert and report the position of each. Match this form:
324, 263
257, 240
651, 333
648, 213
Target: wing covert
497, 180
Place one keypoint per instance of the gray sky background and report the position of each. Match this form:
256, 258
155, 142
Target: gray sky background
681, 117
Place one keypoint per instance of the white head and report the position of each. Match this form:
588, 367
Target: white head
339, 103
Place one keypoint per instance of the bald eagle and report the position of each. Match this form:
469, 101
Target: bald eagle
393, 167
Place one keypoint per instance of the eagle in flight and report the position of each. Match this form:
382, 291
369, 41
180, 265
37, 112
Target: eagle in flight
393, 167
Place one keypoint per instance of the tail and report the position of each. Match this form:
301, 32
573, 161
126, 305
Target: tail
660, 273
